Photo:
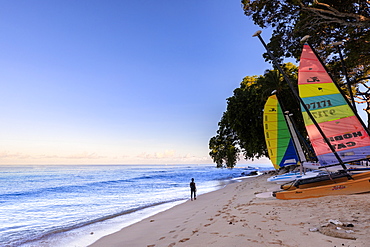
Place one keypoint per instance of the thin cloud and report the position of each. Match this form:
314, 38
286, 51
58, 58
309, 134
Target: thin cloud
167, 156
172, 156
84, 155
158, 155
8, 155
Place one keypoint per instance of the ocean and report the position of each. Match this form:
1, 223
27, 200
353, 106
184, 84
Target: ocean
74, 205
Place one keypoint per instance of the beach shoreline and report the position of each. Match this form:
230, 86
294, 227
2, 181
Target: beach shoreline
235, 216
77, 205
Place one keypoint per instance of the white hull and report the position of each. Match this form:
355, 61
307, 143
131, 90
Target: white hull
288, 177
316, 166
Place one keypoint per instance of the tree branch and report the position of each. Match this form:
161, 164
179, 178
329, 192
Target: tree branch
332, 14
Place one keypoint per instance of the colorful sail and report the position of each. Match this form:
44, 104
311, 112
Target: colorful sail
331, 111
278, 139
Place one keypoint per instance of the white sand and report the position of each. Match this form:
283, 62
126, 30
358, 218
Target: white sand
235, 216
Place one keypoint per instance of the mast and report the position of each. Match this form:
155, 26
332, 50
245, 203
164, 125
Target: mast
278, 137
293, 132
300, 100
296, 142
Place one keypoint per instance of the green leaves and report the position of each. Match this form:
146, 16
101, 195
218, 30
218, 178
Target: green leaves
241, 126
224, 146
326, 21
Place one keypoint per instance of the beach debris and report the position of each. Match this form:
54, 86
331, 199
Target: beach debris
314, 229
91, 233
336, 222
328, 231
337, 229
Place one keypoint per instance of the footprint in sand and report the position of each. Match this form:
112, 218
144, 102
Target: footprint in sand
207, 225
184, 240
151, 245
171, 244
252, 240
276, 241
162, 238
172, 231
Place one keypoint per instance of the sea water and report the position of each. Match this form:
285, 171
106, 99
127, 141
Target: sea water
76, 205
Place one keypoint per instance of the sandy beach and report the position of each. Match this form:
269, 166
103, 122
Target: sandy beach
242, 214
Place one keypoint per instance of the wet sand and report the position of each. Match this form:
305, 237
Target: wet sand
243, 214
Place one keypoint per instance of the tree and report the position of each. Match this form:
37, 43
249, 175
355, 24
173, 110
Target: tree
224, 146
241, 126
326, 21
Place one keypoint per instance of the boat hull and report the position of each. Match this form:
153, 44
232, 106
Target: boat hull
344, 188
328, 181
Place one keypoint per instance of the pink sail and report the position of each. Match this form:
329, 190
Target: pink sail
331, 111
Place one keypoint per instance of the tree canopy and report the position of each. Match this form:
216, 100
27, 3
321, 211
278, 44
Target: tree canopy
326, 21
241, 127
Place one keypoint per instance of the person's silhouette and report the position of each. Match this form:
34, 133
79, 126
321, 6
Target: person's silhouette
193, 190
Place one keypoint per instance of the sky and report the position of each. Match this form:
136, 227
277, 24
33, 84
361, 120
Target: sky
120, 82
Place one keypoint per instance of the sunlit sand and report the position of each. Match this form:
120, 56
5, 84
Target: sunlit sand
244, 214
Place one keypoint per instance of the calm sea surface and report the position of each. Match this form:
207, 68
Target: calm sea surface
76, 205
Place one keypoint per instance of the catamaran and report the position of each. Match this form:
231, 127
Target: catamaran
342, 127
337, 132
282, 142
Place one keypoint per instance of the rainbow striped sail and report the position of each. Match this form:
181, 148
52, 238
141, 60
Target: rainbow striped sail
331, 111
278, 139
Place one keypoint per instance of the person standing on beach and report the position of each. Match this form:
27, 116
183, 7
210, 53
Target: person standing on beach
193, 190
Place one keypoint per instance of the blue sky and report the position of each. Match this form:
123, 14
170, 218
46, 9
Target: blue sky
119, 82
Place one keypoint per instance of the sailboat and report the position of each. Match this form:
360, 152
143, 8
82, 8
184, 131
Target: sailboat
279, 143
341, 125
282, 142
